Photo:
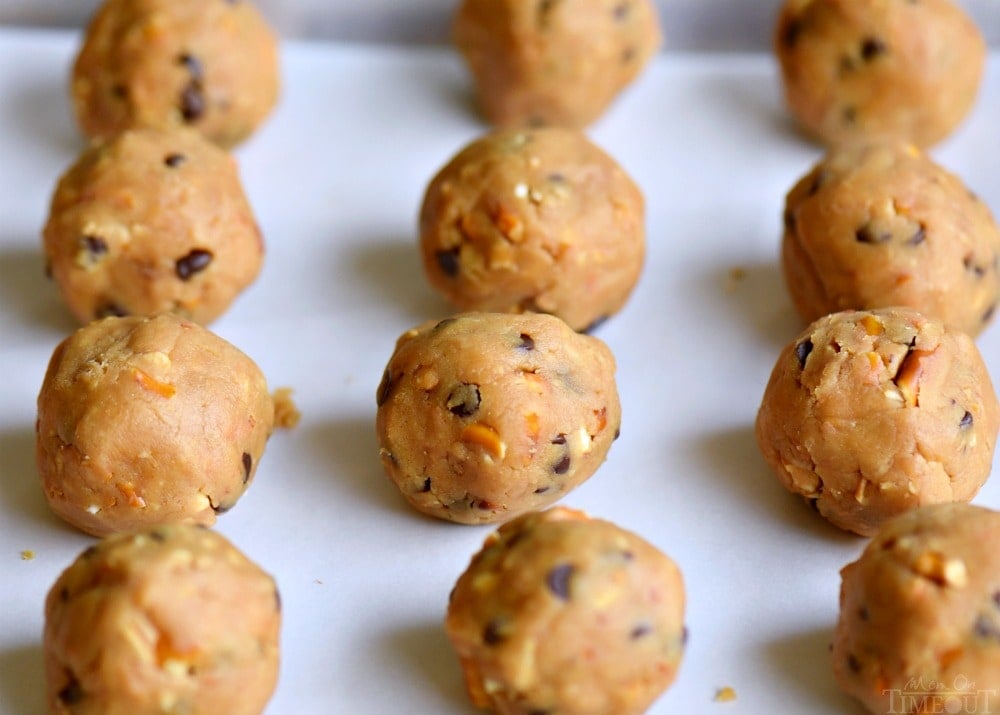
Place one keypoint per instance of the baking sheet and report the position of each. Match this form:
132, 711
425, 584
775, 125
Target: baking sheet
336, 178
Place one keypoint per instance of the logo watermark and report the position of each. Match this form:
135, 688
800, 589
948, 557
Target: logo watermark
937, 698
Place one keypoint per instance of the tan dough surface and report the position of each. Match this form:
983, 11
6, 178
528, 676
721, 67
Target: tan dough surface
920, 615
880, 225
211, 65
871, 414
485, 416
174, 620
148, 421
152, 221
858, 69
554, 62
541, 220
561, 613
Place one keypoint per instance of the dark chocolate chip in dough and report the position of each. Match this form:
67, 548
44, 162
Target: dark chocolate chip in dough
157, 536
621, 11
448, 262
866, 234
193, 65
559, 439
618, 433
853, 663
384, 389
996, 599
542, 490
491, 633
72, 693
558, 580
443, 324
247, 466
641, 630
850, 115
562, 466
110, 310
89, 552
970, 265
174, 160
802, 351
527, 342
966, 420
464, 400
119, 91
194, 262
986, 628
95, 246
192, 101
791, 33
789, 219
873, 47
427, 486
64, 594
863, 613
919, 237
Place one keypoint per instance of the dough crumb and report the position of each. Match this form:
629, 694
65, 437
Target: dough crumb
725, 695
286, 414
27, 555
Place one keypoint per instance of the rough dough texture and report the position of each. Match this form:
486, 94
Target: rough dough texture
148, 421
881, 225
152, 221
554, 62
871, 414
561, 613
540, 221
207, 64
484, 416
919, 627
173, 620
858, 69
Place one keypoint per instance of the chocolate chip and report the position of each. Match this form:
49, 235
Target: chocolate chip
384, 389
595, 325
158, 536
966, 420
888, 544
64, 594
802, 351
95, 246
119, 91
628, 54
558, 580
850, 115
866, 234
527, 342
427, 486
193, 65
790, 35
628, 555
789, 219
562, 466
970, 265
72, 693
863, 613
464, 400
872, 47
110, 310
559, 439
919, 237
194, 262
247, 466
89, 552
996, 599
174, 160
448, 262
641, 630
483, 504
853, 663
985, 628
556, 178
819, 179
492, 634
621, 11
444, 324
618, 433
542, 490
192, 101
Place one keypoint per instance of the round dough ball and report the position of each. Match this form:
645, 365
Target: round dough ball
539, 221
148, 421
881, 225
856, 69
152, 221
173, 620
554, 62
207, 64
484, 416
561, 613
920, 615
871, 414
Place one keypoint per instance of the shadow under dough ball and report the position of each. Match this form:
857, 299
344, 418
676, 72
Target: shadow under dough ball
210, 65
919, 627
554, 62
540, 221
880, 225
871, 414
484, 416
171, 620
149, 421
152, 221
858, 69
562, 613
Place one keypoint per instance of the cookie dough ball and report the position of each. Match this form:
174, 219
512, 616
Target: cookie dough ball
881, 225
484, 416
538, 221
920, 615
173, 620
148, 421
554, 62
152, 221
561, 613
856, 69
871, 414
207, 64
